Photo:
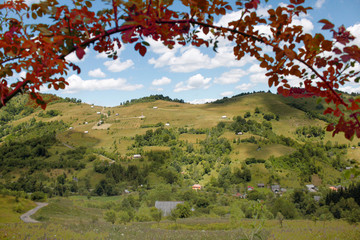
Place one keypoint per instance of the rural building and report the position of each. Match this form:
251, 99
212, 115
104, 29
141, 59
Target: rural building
86, 132
196, 187
275, 188
311, 188
250, 188
167, 124
71, 128
317, 198
167, 206
136, 156
239, 195
155, 107
240, 133
261, 185
224, 117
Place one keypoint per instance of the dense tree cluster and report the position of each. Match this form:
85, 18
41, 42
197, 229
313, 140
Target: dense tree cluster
310, 131
152, 98
161, 136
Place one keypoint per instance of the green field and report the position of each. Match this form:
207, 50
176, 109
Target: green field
71, 219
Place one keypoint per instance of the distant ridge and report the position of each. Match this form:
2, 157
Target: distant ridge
151, 98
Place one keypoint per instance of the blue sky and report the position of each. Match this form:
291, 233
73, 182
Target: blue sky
194, 74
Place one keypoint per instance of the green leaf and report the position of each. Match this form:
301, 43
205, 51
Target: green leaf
44, 31
145, 43
88, 4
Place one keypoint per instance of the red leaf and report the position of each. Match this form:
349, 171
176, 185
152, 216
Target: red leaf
297, 1
206, 30
80, 52
142, 50
328, 111
137, 46
330, 127
289, 53
338, 112
345, 58
337, 51
328, 24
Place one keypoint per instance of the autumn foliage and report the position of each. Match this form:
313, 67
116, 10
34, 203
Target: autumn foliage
40, 48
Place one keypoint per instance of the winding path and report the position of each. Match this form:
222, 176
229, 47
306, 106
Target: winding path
26, 216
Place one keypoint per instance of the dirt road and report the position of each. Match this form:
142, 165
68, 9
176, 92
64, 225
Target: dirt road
26, 216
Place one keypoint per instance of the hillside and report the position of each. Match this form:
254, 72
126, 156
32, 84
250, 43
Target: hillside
112, 131
158, 149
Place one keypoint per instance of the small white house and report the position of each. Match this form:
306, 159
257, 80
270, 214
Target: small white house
92, 106
155, 107
224, 117
71, 128
98, 113
137, 156
86, 132
86, 123
167, 124
116, 114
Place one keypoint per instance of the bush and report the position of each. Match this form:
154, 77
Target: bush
221, 211
19, 208
110, 216
38, 196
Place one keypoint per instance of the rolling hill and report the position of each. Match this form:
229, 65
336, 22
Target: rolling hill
108, 134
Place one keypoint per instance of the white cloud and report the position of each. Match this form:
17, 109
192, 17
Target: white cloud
227, 94
74, 59
76, 84
190, 59
97, 73
319, 3
117, 65
255, 68
257, 74
202, 101
350, 89
258, 78
244, 86
233, 76
30, 2
230, 17
355, 31
161, 81
307, 25
195, 82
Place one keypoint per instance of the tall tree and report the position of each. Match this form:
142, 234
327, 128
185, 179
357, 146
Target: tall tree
39, 49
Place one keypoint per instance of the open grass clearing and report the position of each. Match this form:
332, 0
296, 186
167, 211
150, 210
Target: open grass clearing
8, 206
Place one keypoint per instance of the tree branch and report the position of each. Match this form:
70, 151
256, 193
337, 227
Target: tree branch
324, 80
16, 90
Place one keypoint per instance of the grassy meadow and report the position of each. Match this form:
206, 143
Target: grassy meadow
73, 218
82, 217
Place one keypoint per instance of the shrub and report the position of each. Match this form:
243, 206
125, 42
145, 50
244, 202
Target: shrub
19, 208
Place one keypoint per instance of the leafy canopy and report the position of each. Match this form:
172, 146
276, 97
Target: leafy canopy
40, 48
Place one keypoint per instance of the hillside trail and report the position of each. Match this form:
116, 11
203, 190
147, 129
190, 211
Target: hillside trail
26, 216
